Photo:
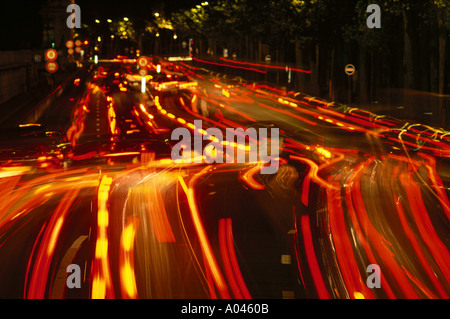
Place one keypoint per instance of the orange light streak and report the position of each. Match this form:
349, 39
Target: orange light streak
249, 177
232, 269
207, 251
126, 260
424, 224
344, 251
312, 259
415, 244
102, 282
40, 272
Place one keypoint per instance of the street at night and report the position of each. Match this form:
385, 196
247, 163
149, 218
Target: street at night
168, 166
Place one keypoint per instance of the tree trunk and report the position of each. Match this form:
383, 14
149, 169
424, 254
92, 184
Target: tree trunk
362, 74
441, 44
259, 51
331, 79
314, 67
408, 80
300, 78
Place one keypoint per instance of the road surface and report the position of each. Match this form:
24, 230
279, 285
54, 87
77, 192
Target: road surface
358, 207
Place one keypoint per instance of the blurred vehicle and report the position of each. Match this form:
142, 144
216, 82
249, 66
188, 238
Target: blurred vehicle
33, 144
170, 83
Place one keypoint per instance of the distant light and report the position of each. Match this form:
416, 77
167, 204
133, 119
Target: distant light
158, 68
109, 20
97, 21
96, 59
112, 36
86, 42
175, 36
99, 39
205, 3
156, 14
157, 34
125, 19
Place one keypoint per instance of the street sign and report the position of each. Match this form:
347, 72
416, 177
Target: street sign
70, 44
142, 62
142, 72
350, 69
51, 54
70, 51
51, 66
78, 50
78, 43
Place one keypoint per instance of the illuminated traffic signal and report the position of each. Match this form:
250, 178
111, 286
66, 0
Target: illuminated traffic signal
191, 47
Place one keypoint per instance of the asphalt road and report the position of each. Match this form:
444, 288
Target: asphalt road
352, 189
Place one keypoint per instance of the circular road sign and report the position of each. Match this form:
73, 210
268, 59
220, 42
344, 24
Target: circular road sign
51, 66
78, 50
51, 54
70, 44
78, 42
142, 62
70, 51
142, 72
350, 69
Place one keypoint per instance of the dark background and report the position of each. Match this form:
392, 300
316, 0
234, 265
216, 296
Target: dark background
21, 24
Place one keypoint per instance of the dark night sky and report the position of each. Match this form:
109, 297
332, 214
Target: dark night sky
21, 27
136, 8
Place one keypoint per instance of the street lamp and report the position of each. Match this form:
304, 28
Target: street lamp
156, 14
97, 21
125, 19
109, 20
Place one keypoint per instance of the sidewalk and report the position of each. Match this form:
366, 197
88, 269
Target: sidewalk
13, 110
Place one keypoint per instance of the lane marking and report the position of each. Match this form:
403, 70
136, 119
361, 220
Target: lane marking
59, 284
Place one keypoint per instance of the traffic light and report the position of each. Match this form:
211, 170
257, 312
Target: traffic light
191, 47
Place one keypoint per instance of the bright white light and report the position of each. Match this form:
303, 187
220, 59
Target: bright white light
156, 14
143, 85
125, 19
